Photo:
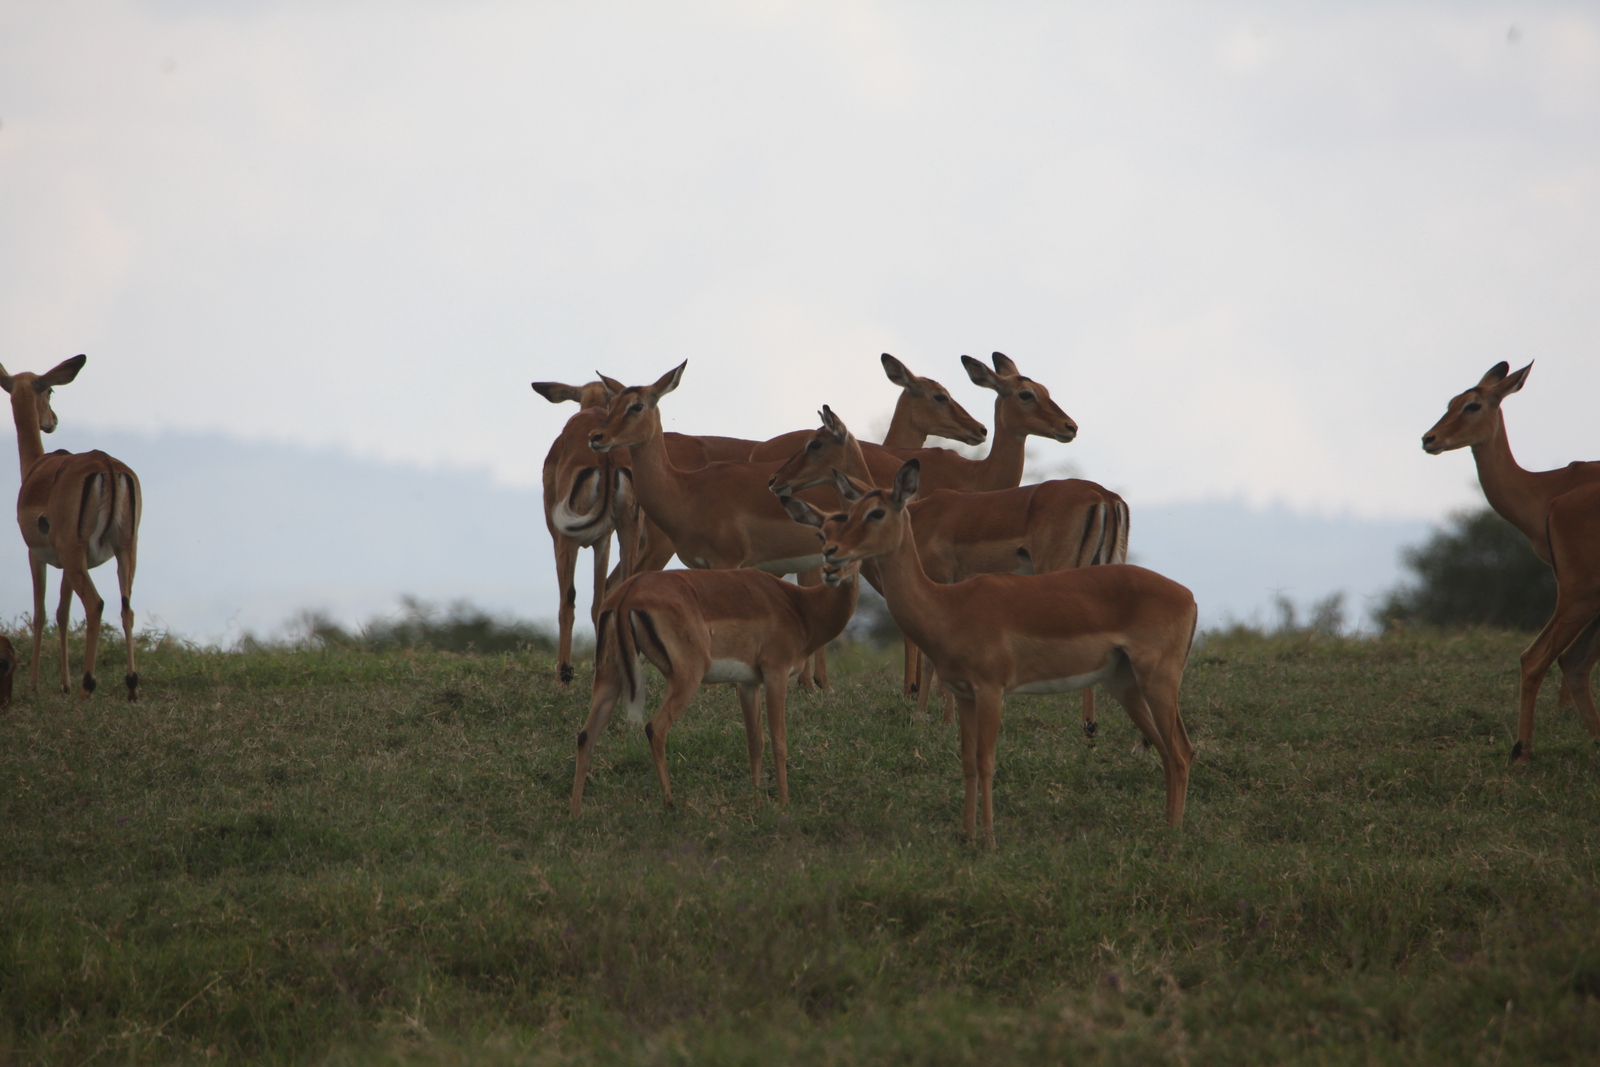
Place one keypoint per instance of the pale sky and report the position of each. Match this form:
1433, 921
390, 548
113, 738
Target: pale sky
1251, 248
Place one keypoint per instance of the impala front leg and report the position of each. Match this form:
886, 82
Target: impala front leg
777, 726
1576, 663
63, 621
986, 712
966, 713
566, 566
750, 708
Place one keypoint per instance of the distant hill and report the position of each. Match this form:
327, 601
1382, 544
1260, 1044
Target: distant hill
242, 536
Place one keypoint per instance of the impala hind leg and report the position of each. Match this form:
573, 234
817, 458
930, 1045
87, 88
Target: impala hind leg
37, 568
1572, 617
967, 716
127, 561
566, 567
1091, 725
1576, 663
914, 659
63, 622
93, 608
1150, 697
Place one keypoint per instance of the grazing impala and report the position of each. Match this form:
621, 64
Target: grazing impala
742, 627
76, 511
1124, 627
1572, 635
1032, 529
1522, 497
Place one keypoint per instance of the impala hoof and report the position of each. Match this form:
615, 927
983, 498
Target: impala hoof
566, 672
88, 683
1090, 728
1516, 752
132, 682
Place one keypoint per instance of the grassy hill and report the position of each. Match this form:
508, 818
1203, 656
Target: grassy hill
347, 857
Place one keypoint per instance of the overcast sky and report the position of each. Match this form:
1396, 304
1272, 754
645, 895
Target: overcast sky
1251, 248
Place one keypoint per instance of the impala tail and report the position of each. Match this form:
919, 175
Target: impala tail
108, 510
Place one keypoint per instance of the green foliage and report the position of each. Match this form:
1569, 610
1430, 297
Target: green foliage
1477, 571
464, 627
319, 854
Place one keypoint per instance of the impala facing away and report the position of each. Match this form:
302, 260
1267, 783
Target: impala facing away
738, 626
76, 511
1032, 529
1521, 497
1121, 626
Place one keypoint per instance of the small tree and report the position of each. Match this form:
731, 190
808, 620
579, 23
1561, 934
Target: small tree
1477, 571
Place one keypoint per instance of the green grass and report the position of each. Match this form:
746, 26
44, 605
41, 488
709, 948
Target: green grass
335, 856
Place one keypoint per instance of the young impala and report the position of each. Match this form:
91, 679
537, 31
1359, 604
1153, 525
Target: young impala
742, 627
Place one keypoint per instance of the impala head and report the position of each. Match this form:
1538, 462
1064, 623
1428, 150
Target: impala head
929, 407
1473, 417
833, 571
28, 388
632, 418
873, 522
1023, 405
827, 448
589, 395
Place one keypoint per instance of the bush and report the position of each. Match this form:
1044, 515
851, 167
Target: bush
464, 627
1477, 571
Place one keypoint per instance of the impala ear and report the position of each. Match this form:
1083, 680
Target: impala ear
5, 380
899, 375
802, 512
1003, 365
849, 492
60, 374
906, 480
834, 426
613, 387
558, 392
983, 376
1512, 382
668, 381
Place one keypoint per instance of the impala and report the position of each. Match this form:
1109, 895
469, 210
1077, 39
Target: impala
742, 627
76, 511
1121, 626
1522, 497
1032, 529
1572, 635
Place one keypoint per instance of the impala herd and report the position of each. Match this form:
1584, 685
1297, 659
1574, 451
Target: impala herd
999, 588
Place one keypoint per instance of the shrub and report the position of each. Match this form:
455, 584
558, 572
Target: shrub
1476, 571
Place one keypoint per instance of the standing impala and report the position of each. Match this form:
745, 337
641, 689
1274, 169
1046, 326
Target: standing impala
1522, 497
1124, 627
742, 627
76, 511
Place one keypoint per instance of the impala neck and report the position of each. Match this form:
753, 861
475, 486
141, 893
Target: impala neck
25, 410
902, 434
828, 609
1007, 453
655, 480
1510, 490
911, 595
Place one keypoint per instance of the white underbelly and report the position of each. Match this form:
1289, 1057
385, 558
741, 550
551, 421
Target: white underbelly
1066, 685
730, 670
797, 565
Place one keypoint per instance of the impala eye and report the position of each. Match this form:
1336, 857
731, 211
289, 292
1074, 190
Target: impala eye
1025, 396
634, 409
875, 514
1474, 406
814, 446
838, 518
941, 398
